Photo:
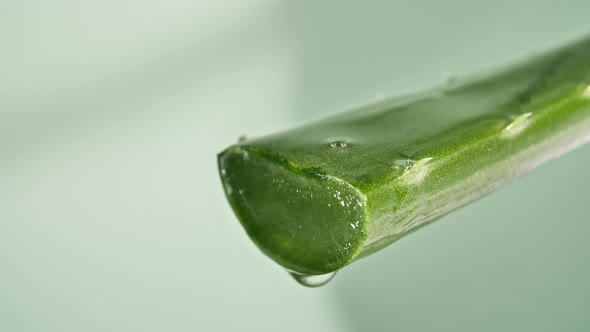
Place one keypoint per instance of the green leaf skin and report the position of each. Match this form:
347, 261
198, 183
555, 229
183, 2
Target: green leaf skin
318, 197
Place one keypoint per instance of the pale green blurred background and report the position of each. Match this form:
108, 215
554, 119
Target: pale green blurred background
112, 217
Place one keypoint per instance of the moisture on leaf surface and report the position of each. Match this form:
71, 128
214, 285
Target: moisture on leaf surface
318, 197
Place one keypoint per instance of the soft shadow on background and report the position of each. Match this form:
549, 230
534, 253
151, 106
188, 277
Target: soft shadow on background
112, 216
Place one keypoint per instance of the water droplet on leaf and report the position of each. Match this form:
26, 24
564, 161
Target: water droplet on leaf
518, 124
339, 144
449, 77
404, 165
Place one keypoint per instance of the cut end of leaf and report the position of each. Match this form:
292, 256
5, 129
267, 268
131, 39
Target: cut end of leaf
306, 221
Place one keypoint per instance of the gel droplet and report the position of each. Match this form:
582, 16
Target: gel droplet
518, 124
404, 165
449, 77
339, 144
412, 171
312, 280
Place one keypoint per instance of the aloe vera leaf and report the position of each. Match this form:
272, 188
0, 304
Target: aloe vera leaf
318, 197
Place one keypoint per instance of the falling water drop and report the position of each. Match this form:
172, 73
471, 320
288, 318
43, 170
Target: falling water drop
312, 280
